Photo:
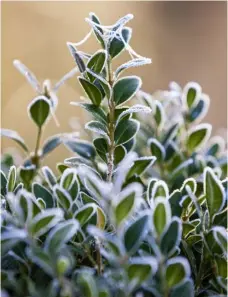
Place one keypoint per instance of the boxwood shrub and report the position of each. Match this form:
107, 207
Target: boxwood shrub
140, 209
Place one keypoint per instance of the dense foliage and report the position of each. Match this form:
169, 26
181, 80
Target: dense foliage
140, 210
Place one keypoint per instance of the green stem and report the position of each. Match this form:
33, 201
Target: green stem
36, 151
111, 128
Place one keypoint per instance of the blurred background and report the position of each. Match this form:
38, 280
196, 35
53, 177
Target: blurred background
186, 41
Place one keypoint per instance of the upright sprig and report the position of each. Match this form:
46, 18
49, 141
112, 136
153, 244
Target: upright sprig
40, 109
108, 92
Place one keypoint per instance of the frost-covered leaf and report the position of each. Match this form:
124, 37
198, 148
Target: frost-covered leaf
140, 269
97, 127
84, 214
50, 144
63, 197
97, 62
15, 136
177, 271
44, 221
132, 63
125, 88
117, 45
198, 136
214, 192
161, 215
77, 58
39, 110
83, 148
91, 90
27, 174
183, 290
134, 109
191, 94
125, 131
157, 149
49, 176
60, 234
11, 179
126, 202
136, 233
171, 237
41, 192
140, 166
95, 111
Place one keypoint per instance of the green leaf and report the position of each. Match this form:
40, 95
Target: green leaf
63, 197
125, 131
160, 189
220, 219
3, 183
97, 63
125, 203
140, 269
97, 30
77, 57
119, 154
97, 127
59, 235
220, 236
121, 113
199, 111
95, 111
49, 176
198, 136
101, 148
101, 218
41, 192
84, 214
171, 237
191, 94
125, 88
117, 45
177, 271
140, 166
82, 148
186, 289
174, 201
12, 177
161, 215
159, 113
27, 174
221, 264
136, 233
50, 144
15, 136
39, 257
61, 167
44, 221
214, 192
87, 284
91, 90
39, 110
157, 149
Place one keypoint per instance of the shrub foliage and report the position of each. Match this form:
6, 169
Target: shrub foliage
139, 210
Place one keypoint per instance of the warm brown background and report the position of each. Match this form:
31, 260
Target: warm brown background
186, 40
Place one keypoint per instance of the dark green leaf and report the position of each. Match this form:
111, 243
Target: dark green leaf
214, 192
83, 148
140, 166
117, 45
41, 192
136, 233
177, 271
171, 237
125, 131
27, 174
39, 110
184, 290
91, 90
50, 144
97, 62
157, 149
101, 148
125, 88
96, 111
198, 136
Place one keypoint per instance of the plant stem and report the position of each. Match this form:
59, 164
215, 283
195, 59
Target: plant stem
36, 151
111, 128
